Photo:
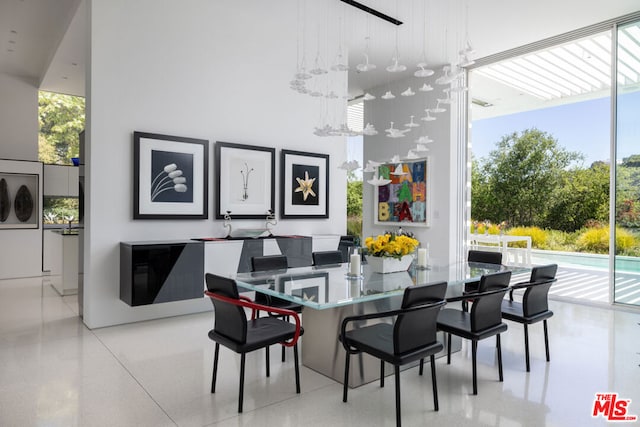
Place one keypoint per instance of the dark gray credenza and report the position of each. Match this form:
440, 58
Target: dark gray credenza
161, 271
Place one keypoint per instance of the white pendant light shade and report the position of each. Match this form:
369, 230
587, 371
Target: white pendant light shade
408, 92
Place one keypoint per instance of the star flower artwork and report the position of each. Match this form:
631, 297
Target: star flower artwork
405, 199
305, 185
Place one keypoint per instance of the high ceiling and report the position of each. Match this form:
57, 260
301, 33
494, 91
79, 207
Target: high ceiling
44, 41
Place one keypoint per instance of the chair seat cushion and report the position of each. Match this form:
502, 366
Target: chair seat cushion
512, 310
377, 340
458, 322
261, 332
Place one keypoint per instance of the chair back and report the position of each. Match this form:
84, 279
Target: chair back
327, 257
345, 247
535, 298
485, 257
230, 319
417, 328
486, 309
268, 263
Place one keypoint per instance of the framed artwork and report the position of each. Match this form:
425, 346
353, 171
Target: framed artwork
19, 200
170, 177
245, 180
312, 287
406, 199
304, 185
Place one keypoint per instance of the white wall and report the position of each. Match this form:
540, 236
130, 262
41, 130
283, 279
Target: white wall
18, 119
202, 69
442, 155
21, 250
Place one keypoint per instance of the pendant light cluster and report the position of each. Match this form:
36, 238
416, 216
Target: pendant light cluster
327, 81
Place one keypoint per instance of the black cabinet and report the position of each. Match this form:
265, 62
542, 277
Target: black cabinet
156, 272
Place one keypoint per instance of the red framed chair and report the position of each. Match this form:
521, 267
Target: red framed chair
234, 331
273, 263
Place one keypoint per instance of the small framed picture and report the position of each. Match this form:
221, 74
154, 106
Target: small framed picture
312, 287
406, 199
245, 180
304, 185
19, 200
170, 177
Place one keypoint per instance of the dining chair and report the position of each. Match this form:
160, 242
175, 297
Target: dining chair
273, 263
483, 257
411, 337
327, 257
484, 320
534, 306
234, 331
345, 246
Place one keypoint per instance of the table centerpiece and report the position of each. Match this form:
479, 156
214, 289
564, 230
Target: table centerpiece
390, 252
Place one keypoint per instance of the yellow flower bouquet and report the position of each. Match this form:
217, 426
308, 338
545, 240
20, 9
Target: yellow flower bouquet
391, 245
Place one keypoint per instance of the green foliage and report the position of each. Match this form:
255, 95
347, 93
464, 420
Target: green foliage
61, 119
354, 206
354, 226
515, 181
58, 211
538, 236
354, 198
581, 195
632, 161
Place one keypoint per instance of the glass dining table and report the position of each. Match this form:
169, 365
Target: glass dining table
328, 295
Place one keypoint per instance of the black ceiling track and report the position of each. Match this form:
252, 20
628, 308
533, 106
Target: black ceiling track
372, 11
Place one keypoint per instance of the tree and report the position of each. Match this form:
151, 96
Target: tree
581, 196
61, 119
354, 198
521, 174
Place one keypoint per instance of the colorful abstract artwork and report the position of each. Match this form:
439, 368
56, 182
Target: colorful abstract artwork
405, 199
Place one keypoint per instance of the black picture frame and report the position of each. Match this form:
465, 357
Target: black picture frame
300, 198
245, 180
170, 176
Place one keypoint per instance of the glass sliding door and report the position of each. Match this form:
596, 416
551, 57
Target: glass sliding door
626, 274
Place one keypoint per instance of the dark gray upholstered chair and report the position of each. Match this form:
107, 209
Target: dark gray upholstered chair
484, 257
410, 338
234, 331
534, 306
345, 246
273, 263
327, 257
484, 320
